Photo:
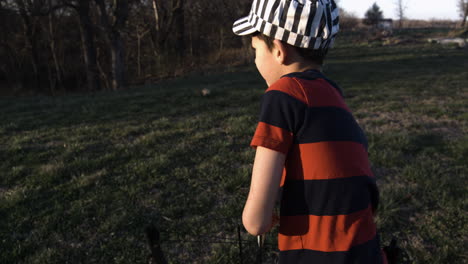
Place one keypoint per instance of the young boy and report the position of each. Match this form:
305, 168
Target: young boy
307, 141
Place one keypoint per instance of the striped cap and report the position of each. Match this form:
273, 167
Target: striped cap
302, 23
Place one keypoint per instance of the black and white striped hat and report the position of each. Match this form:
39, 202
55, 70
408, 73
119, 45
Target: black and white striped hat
302, 23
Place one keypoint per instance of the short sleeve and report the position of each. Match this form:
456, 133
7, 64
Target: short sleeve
280, 118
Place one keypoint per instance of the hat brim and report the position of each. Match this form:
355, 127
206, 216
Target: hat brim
242, 27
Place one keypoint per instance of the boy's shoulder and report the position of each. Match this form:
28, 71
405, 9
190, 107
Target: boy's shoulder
290, 86
311, 75
306, 85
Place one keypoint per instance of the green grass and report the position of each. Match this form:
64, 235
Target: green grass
82, 176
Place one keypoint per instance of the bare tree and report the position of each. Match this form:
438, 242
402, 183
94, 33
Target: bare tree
38, 41
30, 31
179, 26
401, 11
10, 78
115, 41
114, 16
348, 20
166, 14
463, 10
140, 32
87, 33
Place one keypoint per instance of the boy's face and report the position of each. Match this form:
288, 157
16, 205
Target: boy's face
266, 63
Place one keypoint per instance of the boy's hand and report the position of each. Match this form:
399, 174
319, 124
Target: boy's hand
274, 222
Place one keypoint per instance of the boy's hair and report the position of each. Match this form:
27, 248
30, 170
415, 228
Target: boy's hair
315, 56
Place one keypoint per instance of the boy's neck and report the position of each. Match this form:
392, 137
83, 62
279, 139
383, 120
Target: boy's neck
300, 67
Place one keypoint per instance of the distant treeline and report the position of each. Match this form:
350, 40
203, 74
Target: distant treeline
57, 46
61, 46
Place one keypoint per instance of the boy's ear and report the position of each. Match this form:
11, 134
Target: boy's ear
280, 51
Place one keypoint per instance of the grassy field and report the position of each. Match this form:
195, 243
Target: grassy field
82, 176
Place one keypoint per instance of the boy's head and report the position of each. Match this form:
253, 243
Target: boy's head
304, 28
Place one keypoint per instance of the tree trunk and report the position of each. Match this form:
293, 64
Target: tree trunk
463, 11
138, 54
401, 13
464, 19
164, 21
58, 73
221, 43
157, 35
113, 34
89, 47
179, 28
118, 65
139, 35
31, 37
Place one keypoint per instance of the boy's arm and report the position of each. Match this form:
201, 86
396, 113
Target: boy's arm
266, 179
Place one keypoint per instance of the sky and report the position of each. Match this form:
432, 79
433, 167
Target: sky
416, 9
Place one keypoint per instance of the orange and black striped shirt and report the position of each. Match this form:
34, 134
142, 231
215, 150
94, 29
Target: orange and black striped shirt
329, 192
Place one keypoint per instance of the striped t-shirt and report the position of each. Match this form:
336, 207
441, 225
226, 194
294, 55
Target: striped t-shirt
329, 192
